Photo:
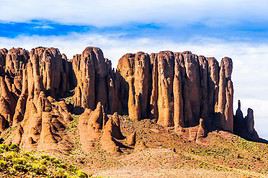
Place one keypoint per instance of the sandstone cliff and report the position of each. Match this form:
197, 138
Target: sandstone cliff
29, 86
178, 89
181, 90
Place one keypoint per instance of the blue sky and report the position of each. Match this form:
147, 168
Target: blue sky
240, 31
235, 28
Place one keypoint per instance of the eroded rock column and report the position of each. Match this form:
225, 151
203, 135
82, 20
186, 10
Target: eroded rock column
192, 89
135, 68
225, 97
90, 73
177, 90
165, 88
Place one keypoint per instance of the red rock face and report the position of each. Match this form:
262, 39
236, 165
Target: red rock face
213, 89
180, 90
27, 81
225, 96
95, 125
49, 70
135, 70
182, 87
192, 89
91, 74
165, 88
13, 64
154, 85
2, 60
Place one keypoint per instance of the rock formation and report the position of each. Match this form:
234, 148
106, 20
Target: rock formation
165, 88
244, 126
95, 125
91, 70
225, 97
131, 139
27, 81
134, 68
112, 135
191, 93
183, 87
178, 92
201, 132
213, 90
90, 125
50, 72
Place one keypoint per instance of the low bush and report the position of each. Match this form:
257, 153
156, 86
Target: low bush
15, 162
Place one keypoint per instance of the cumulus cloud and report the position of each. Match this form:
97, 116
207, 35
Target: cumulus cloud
116, 12
250, 60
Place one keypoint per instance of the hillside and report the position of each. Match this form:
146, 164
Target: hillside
163, 114
159, 152
17, 163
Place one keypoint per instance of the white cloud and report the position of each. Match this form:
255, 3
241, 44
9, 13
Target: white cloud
250, 60
116, 12
43, 27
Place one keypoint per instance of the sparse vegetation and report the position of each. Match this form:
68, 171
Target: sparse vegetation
212, 152
224, 155
15, 162
73, 124
69, 100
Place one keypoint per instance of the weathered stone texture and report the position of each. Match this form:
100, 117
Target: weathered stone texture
180, 90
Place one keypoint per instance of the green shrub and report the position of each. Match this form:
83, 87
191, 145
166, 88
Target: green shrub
9, 155
44, 161
61, 173
72, 168
55, 161
38, 169
81, 174
3, 165
3, 148
13, 147
19, 160
46, 157
20, 167
12, 171
16, 163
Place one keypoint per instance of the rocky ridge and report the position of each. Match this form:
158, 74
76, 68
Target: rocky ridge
192, 94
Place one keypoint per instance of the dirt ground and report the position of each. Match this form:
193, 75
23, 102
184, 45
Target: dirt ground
160, 152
